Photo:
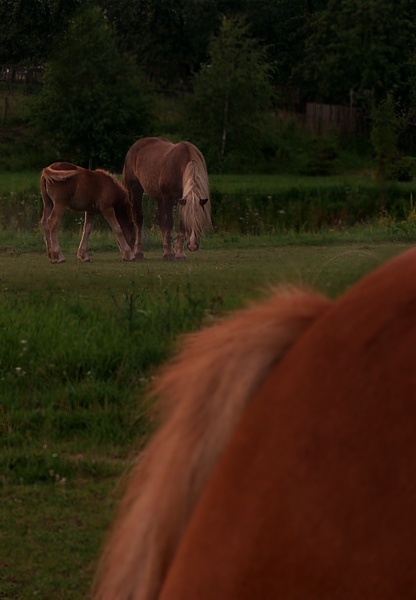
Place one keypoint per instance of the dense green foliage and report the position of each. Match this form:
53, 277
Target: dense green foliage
360, 50
364, 45
29, 29
93, 104
384, 135
228, 113
225, 67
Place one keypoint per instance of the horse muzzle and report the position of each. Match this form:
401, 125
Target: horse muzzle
193, 247
193, 244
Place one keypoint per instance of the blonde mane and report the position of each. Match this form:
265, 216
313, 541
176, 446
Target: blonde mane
204, 405
196, 188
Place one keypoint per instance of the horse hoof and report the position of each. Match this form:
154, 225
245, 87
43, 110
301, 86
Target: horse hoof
181, 258
169, 257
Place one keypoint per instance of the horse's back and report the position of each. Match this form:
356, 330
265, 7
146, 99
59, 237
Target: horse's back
81, 189
314, 497
159, 164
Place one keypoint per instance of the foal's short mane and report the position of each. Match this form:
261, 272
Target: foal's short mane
113, 177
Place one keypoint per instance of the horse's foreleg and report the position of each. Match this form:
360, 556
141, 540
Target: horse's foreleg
83, 246
165, 220
126, 251
179, 251
53, 221
136, 200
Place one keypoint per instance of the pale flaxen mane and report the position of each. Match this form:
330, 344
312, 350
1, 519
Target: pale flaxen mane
204, 393
196, 188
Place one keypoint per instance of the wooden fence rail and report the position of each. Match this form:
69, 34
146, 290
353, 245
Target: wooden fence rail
326, 118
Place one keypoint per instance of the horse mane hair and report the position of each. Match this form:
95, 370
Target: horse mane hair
195, 188
114, 178
202, 394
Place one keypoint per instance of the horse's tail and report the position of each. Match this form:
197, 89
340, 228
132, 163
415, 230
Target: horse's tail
51, 175
205, 391
43, 190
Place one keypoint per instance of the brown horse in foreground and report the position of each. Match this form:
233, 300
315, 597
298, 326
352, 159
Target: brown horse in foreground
286, 466
170, 174
64, 185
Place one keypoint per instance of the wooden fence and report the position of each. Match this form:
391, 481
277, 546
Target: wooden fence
326, 118
20, 74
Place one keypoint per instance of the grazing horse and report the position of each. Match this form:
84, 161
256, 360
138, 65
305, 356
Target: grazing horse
286, 463
64, 185
170, 174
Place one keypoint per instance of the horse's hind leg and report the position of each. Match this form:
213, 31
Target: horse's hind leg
136, 192
179, 251
83, 246
165, 220
53, 221
47, 209
125, 249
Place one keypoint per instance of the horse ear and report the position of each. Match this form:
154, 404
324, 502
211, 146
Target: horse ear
182, 201
203, 201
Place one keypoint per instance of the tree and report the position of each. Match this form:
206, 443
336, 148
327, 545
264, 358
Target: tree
28, 29
169, 38
366, 47
227, 113
279, 26
384, 134
94, 101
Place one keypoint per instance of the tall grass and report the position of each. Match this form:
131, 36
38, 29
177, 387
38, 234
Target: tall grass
78, 344
255, 205
69, 369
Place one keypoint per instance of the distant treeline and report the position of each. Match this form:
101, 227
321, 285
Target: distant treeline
325, 51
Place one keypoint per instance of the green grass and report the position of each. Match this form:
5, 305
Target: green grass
19, 181
79, 343
26, 180
271, 184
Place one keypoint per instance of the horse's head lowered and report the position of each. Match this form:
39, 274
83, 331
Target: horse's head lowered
195, 203
194, 234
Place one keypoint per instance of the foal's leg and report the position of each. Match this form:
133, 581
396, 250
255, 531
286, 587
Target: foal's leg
126, 251
83, 246
165, 221
47, 209
53, 221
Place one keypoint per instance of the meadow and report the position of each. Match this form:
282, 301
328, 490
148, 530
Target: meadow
81, 342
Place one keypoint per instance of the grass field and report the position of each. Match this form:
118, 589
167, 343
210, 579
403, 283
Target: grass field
80, 343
